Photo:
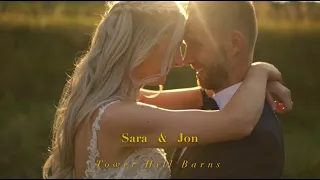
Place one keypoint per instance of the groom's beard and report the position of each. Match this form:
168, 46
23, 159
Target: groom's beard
216, 74
216, 78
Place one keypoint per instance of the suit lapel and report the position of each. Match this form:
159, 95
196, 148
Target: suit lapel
180, 154
176, 155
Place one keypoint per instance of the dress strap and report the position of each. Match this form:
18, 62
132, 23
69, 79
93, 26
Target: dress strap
92, 148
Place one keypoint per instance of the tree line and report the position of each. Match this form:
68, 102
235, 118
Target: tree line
266, 10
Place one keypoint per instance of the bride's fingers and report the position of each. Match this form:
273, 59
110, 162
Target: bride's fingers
270, 100
280, 108
284, 106
285, 98
276, 106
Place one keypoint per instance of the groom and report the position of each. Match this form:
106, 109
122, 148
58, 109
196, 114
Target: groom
220, 38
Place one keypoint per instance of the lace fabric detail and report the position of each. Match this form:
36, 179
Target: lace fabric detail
144, 163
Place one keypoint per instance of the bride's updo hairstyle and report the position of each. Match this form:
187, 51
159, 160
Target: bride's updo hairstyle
123, 37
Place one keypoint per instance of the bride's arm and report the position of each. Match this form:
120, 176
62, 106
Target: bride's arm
191, 98
235, 121
175, 99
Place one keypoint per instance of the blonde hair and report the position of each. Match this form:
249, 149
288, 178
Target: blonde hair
123, 37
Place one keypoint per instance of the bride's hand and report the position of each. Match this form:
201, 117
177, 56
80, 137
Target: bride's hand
272, 72
284, 102
274, 87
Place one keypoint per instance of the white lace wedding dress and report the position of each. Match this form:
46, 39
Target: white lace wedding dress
141, 159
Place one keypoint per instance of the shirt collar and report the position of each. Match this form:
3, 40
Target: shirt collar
223, 97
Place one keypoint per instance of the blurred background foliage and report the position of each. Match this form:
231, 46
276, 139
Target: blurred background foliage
40, 41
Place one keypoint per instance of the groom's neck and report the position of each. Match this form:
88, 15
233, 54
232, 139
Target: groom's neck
237, 72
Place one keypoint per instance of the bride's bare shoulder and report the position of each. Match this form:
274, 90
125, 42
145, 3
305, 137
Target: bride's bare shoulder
124, 113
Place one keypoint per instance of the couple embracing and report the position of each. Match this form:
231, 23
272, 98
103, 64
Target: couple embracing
231, 112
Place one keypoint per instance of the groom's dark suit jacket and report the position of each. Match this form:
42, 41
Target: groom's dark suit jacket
259, 155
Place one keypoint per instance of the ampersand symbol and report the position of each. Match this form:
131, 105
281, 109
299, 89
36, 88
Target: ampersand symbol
162, 138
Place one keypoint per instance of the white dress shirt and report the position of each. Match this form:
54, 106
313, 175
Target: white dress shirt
223, 97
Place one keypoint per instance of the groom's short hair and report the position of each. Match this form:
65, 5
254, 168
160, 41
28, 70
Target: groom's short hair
239, 15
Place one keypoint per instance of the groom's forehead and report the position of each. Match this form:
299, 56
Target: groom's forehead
196, 16
192, 28
194, 25
196, 4
199, 7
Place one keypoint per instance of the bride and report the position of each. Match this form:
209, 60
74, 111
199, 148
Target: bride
136, 44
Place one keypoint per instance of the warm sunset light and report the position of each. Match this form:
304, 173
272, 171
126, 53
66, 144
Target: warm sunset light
150, 90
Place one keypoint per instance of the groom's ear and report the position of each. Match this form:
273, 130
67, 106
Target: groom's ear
237, 42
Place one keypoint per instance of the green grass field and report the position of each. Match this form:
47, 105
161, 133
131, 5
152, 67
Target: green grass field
38, 49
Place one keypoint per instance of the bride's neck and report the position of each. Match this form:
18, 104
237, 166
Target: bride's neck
130, 93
